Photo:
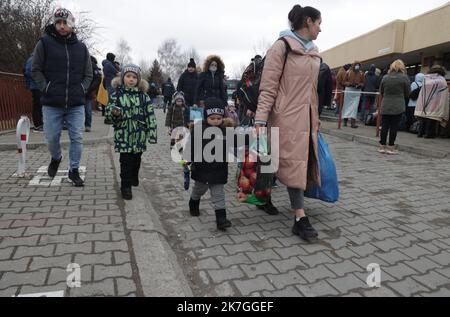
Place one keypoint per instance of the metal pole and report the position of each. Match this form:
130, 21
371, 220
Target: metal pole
380, 100
23, 136
341, 106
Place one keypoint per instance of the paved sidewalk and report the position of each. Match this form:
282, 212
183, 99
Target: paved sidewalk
392, 212
45, 228
407, 142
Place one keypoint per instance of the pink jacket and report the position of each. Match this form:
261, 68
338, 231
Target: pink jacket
289, 101
433, 101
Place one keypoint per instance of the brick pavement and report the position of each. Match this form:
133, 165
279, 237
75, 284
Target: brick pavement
43, 229
393, 211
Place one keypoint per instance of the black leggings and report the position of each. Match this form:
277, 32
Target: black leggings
390, 124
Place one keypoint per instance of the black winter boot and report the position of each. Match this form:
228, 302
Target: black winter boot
222, 222
194, 207
304, 230
269, 208
127, 194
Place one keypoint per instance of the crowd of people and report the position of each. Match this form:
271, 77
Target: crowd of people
356, 94
293, 88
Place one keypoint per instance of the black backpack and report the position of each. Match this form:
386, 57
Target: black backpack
414, 95
248, 93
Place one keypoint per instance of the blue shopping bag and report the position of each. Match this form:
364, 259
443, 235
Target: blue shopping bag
329, 190
196, 114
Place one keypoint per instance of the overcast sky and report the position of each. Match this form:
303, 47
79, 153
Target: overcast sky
232, 28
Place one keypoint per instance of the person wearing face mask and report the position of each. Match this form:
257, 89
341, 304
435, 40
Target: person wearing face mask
211, 82
354, 82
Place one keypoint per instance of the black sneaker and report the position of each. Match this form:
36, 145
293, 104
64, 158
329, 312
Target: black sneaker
127, 194
135, 182
194, 208
74, 176
304, 230
53, 168
269, 209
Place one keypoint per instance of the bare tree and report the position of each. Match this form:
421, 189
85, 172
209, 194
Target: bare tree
238, 71
171, 58
123, 52
22, 23
261, 47
145, 68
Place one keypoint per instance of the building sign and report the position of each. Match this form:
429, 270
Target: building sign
385, 51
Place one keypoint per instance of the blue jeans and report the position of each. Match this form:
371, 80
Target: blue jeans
88, 113
53, 124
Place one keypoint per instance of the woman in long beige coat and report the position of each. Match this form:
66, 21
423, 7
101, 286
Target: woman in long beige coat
289, 101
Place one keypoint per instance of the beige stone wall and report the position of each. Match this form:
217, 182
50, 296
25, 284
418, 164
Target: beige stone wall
432, 28
383, 41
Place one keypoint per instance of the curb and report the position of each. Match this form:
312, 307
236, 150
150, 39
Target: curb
159, 273
374, 142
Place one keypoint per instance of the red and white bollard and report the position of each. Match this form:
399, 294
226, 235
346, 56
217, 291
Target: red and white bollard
23, 137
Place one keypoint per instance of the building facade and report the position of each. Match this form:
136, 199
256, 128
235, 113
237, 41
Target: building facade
420, 42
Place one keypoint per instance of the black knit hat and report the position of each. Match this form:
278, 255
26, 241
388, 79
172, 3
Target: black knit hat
110, 57
192, 64
214, 106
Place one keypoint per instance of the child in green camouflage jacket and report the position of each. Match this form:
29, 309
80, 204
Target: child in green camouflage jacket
131, 111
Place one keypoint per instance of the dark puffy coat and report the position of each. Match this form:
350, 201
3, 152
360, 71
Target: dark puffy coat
211, 86
215, 173
325, 87
187, 84
110, 72
65, 66
31, 84
153, 91
168, 89
372, 82
96, 80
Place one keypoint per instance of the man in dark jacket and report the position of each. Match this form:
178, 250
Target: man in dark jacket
62, 69
92, 93
371, 85
36, 93
168, 89
187, 84
153, 93
110, 71
325, 87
